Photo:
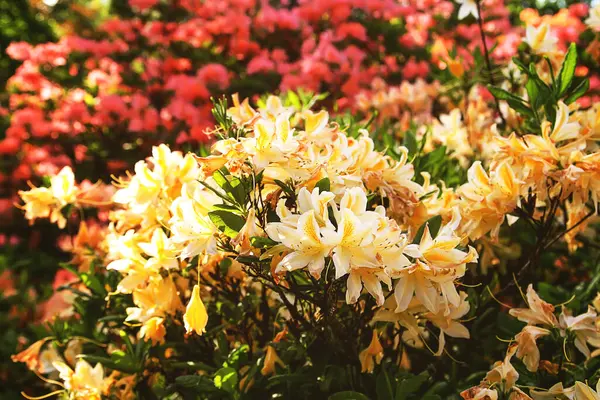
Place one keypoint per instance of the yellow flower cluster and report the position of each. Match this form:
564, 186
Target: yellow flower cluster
562, 164
540, 320
48, 202
165, 220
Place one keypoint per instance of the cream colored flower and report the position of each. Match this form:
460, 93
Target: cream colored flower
593, 20
305, 242
540, 39
538, 313
528, 351
584, 392
48, 202
83, 383
584, 327
154, 330
467, 7
503, 372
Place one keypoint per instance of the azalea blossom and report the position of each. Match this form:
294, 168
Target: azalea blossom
467, 7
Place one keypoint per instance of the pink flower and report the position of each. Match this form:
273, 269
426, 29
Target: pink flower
352, 30
413, 69
260, 63
19, 51
142, 4
214, 74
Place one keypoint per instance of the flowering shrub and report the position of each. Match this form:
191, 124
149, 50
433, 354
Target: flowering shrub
423, 230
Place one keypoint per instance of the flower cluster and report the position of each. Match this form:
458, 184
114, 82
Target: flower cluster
371, 241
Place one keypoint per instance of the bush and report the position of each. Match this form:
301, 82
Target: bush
431, 212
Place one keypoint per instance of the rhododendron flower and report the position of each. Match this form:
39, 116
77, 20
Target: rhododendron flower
195, 317
372, 355
528, 350
467, 7
538, 313
437, 264
593, 21
541, 39
584, 327
48, 202
85, 382
31, 355
584, 392
154, 329
271, 360
504, 372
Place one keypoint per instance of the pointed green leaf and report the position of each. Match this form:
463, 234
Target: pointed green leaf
567, 71
579, 91
227, 222
324, 185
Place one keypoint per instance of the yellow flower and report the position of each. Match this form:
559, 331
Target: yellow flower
271, 359
528, 350
540, 39
273, 142
305, 241
241, 113
447, 320
503, 371
154, 330
315, 123
437, 264
83, 383
555, 392
195, 317
372, 355
584, 328
48, 202
31, 355
584, 392
538, 313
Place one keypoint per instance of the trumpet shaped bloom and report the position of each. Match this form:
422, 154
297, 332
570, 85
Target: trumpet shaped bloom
195, 317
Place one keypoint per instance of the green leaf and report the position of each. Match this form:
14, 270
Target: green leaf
227, 208
348, 395
383, 386
567, 71
227, 222
226, 379
93, 283
199, 383
262, 242
502, 94
533, 93
294, 100
238, 356
324, 185
118, 361
434, 226
410, 385
232, 186
410, 142
579, 91
513, 101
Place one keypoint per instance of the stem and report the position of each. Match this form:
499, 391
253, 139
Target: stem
542, 245
487, 58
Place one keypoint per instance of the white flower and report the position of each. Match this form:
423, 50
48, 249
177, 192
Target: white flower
540, 39
593, 21
467, 7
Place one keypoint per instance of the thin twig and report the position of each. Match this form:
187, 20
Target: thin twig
487, 58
